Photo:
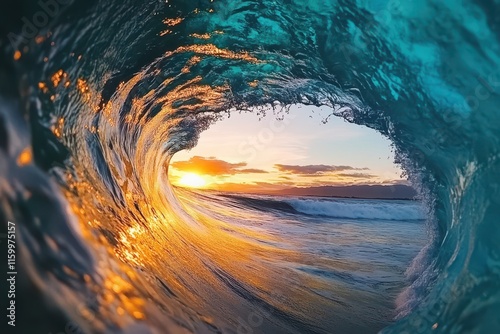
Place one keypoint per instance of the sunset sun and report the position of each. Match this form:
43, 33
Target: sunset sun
192, 180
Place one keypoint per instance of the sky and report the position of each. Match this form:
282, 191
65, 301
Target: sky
243, 153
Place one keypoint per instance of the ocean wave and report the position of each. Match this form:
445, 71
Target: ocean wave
357, 210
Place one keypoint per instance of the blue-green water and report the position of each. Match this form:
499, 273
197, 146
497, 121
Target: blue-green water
105, 92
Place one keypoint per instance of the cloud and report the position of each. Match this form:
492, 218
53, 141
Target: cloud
213, 167
314, 169
257, 187
357, 175
253, 170
287, 183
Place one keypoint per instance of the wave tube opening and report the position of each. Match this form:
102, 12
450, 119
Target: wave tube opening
276, 174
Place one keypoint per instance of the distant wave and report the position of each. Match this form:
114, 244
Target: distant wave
368, 210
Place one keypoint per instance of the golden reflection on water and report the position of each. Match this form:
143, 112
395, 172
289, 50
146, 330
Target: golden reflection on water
114, 285
17, 55
170, 22
83, 88
58, 77
25, 157
212, 50
57, 127
201, 36
188, 256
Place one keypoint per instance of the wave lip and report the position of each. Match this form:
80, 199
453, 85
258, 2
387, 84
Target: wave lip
359, 210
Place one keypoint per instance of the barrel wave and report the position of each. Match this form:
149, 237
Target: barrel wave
96, 103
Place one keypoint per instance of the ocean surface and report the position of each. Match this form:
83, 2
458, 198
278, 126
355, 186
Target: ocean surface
341, 262
97, 96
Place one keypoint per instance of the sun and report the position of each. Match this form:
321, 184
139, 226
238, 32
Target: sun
192, 180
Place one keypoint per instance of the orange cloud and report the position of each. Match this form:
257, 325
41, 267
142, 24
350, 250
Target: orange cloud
213, 167
258, 187
253, 171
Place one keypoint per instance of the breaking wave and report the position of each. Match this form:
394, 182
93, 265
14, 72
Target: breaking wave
388, 210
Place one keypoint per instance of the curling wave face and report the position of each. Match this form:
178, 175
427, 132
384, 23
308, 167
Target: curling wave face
113, 89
